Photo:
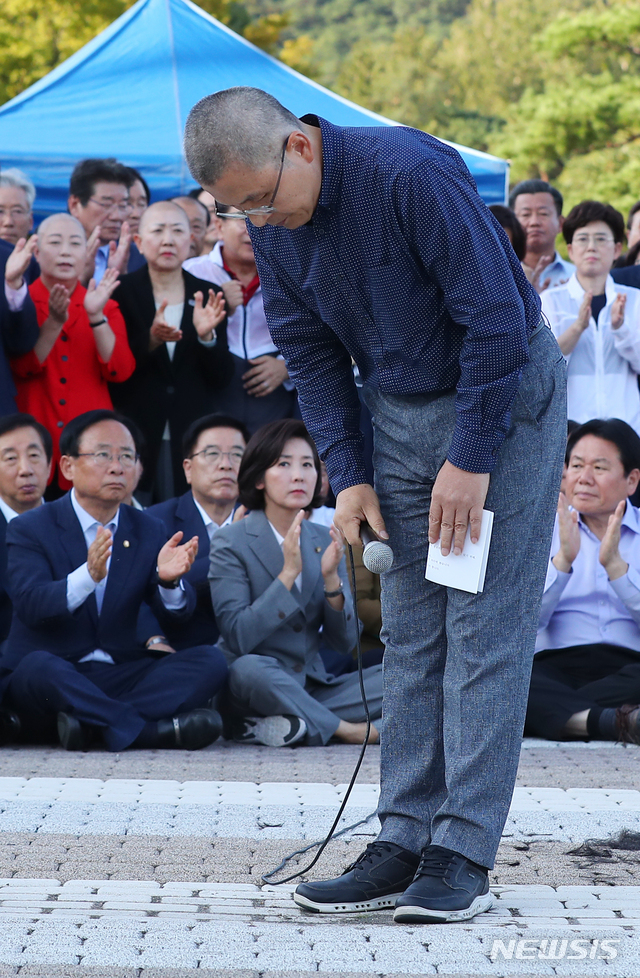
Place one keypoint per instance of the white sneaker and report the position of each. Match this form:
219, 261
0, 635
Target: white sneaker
278, 731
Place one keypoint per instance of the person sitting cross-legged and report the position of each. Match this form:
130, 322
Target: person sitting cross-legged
276, 580
79, 570
586, 672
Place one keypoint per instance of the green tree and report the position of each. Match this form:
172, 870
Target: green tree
37, 35
583, 128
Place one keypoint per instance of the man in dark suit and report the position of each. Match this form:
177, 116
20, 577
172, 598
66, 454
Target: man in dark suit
212, 448
18, 323
79, 570
25, 464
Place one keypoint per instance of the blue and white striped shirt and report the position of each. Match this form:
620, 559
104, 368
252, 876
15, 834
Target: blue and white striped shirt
403, 268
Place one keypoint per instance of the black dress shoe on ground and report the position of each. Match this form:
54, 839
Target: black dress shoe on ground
10, 726
71, 734
189, 731
374, 882
447, 887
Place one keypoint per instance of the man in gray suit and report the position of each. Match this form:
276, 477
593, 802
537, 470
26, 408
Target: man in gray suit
278, 587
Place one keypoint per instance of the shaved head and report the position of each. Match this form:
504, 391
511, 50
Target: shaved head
163, 210
58, 220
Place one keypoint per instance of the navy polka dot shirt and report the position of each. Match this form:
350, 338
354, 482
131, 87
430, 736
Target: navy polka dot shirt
403, 268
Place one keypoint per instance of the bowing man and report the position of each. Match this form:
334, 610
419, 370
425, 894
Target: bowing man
79, 571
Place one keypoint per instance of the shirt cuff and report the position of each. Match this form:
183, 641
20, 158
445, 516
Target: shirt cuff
174, 598
80, 585
473, 452
208, 343
627, 588
15, 297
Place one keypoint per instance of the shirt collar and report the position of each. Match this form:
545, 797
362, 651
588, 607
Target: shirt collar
630, 519
86, 520
577, 292
8, 513
206, 519
332, 156
216, 254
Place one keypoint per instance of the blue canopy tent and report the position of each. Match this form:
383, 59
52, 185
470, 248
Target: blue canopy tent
128, 92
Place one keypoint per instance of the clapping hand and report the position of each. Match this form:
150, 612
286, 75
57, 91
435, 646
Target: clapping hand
541, 265
291, 552
609, 555
93, 243
118, 258
207, 317
569, 533
99, 553
617, 310
175, 559
18, 261
331, 559
59, 299
160, 331
98, 295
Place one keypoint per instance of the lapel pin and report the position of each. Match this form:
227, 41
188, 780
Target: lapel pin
125, 543
318, 550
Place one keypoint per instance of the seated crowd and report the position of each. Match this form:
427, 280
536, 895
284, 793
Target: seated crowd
169, 573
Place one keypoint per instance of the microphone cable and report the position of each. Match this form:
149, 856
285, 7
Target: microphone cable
332, 834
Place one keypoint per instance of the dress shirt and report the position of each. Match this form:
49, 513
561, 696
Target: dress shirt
403, 269
584, 607
558, 272
101, 263
211, 526
80, 583
280, 539
8, 513
15, 297
602, 369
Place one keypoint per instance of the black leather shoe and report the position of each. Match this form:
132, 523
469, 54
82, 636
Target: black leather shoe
374, 882
10, 726
190, 731
71, 733
447, 887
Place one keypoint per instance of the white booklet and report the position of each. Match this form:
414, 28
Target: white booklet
467, 570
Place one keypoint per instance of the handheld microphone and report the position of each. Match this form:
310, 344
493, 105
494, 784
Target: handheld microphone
377, 556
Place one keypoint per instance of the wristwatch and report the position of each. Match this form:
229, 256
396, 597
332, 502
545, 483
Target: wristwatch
170, 585
158, 640
334, 594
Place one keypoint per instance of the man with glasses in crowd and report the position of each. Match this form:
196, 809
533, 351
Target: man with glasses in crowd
596, 321
212, 449
80, 570
99, 198
373, 245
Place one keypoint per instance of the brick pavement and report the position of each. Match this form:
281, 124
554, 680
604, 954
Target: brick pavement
52, 924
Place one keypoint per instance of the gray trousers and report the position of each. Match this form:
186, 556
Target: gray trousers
259, 686
457, 665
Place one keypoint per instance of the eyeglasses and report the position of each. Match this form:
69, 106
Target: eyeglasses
102, 459
599, 240
211, 456
122, 207
241, 215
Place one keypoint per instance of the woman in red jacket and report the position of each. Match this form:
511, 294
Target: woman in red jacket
83, 339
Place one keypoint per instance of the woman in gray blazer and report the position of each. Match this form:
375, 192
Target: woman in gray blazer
279, 589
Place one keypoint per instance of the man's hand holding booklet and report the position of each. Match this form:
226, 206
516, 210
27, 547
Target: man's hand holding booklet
467, 570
